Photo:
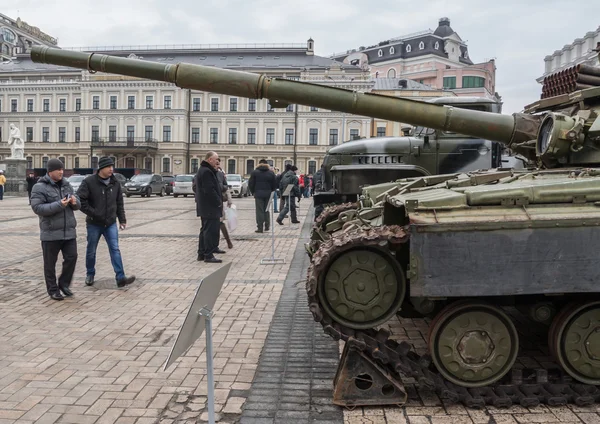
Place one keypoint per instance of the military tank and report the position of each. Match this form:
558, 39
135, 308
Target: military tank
462, 247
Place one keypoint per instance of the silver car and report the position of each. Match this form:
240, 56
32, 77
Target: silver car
238, 186
75, 181
183, 185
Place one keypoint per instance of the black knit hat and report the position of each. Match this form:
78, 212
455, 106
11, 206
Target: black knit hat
104, 162
54, 165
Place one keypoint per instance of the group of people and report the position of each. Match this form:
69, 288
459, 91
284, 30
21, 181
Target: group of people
100, 198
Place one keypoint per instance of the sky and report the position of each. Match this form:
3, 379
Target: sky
517, 35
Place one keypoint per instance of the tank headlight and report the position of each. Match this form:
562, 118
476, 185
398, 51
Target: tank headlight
555, 137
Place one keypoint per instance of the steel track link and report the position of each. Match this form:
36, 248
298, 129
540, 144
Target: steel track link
527, 387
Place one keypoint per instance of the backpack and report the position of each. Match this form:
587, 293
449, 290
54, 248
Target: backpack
288, 178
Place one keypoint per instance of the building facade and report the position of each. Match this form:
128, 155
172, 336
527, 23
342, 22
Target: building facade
438, 58
581, 50
79, 117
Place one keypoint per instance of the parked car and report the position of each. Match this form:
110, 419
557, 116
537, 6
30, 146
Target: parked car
121, 179
238, 186
183, 185
169, 182
145, 185
75, 181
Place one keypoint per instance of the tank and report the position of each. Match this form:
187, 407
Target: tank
419, 152
489, 256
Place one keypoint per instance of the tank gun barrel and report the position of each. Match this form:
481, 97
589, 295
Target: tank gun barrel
506, 129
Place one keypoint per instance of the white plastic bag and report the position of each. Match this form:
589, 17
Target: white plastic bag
231, 217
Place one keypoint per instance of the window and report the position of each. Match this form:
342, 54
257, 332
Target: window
29, 105
94, 162
148, 132
112, 133
289, 108
96, 102
130, 133
231, 166
214, 135
130, 102
249, 166
379, 53
195, 135
166, 165
251, 105
196, 104
251, 136
29, 134
289, 136
270, 162
270, 136
62, 134
13, 105
76, 163
214, 104
62, 105
63, 160
313, 136
233, 104
472, 82
312, 167
314, 109
449, 82
29, 162
149, 102
392, 50
437, 45
354, 134
148, 164
46, 105
95, 133
167, 133
167, 102
194, 165
46, 134
408, 48
77, 134
333, 137
421, 45
380, 131
77, 104
113, 102
232, 138
391, 73
287, 162
45, 162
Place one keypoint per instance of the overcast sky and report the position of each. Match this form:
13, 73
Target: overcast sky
518, 36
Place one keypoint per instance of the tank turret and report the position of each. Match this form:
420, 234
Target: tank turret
565, 133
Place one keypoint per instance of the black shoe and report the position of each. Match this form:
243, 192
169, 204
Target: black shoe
57, 296
213, 260
295, 222
200, 258
220, 251
267, 228
125, 281
258, 231
279, 222
66, 291
89, 280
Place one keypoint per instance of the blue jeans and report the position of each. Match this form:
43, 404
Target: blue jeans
111, 235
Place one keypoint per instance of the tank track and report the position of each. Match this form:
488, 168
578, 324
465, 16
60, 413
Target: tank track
323, 219
527, 387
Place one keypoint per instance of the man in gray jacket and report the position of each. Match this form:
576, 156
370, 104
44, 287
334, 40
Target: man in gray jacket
53, 200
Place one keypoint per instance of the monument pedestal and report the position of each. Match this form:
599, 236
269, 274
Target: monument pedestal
15, 171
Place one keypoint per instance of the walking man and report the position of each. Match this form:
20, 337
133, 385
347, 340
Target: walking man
289, 177
209, 206
53, 200
102, 201
261, 185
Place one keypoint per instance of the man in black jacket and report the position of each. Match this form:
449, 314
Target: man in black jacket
209, 206
53, 200
261, 185
102, 201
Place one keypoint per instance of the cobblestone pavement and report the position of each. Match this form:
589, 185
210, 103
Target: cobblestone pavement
98, 357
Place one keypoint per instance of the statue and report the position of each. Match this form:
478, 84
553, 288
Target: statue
17, 146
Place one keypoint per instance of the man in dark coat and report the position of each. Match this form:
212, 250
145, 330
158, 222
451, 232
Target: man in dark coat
53, 200
209, 206
289, 177
102, 201
31, 181
262, 184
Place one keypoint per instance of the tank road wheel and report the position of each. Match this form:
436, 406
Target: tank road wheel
574, 340
473, 344
362, 288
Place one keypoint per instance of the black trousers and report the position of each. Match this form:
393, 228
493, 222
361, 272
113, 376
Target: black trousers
50, 251
263, 219
208, 240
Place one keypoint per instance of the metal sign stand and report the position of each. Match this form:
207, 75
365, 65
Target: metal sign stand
272, 260
199, 319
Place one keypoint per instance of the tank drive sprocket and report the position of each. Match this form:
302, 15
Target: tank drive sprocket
329, 214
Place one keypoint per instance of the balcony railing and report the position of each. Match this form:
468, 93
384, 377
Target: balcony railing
124, 142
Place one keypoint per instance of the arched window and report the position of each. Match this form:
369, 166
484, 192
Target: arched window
63, 160
194, 165
29, 162
45, 162
437, 45
231, 166
380, 53
312, 167
287, 162
8, 35
148, 164
392, 50
408, 48
391, 73
166, 165
421, 45
249, 166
